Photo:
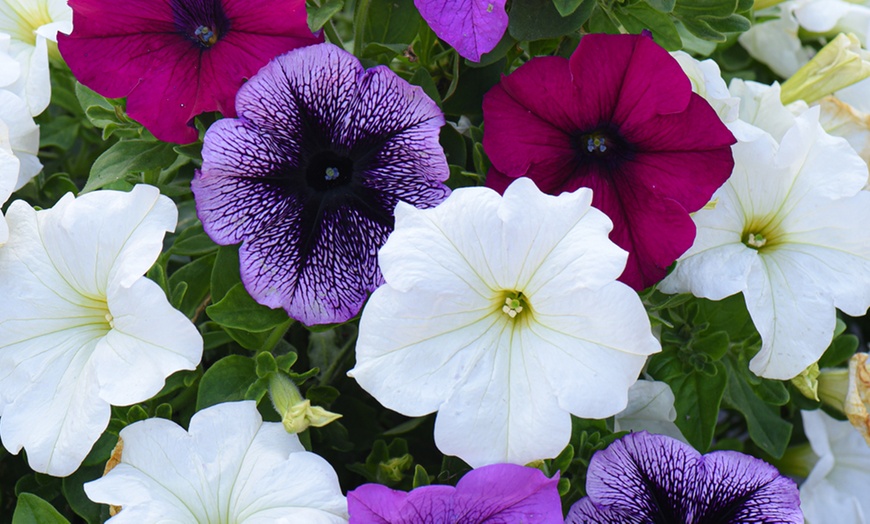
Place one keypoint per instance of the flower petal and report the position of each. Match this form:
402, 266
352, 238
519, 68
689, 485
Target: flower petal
473, 27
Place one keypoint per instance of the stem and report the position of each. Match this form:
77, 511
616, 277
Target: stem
329, 374
332, 35
277, 334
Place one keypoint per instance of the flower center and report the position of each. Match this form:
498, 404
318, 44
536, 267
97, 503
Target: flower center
202, 21
602, 145
328, 170
514, 303
760, 234
207, 36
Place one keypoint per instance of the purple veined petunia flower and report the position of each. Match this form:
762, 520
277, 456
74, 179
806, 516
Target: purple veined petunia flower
644, 478
494, 494
618, 117
472, 27
309, 174
175, 59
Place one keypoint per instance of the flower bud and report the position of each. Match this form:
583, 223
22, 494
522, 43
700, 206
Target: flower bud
296, 413
839, 64
808, 382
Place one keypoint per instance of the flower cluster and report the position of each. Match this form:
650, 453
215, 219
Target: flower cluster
490, 263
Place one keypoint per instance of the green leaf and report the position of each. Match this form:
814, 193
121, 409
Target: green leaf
422, 78
75, 495
640, 16
421, 478
60, 132
319, 16
31, 509
453, 144
225, 273
697, 399
238, 310
126, 157
197, 276
384, 22
193, 241
664, 6
766, 427
473, 83
841, 349
227, 380
539, 19
566, 7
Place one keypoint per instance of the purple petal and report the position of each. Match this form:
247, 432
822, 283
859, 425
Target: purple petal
508, 493
653, 478
472, 27
739, 488
496, 494
644, 474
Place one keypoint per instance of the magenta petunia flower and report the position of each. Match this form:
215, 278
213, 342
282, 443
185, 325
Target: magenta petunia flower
308, 176
499, 493
175, 59
653, 479
472, 27
618, 117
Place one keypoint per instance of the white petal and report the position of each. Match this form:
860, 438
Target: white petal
150, 341
107, 238
650, 408
411, 353
38, 81
776, 43
10, 69
588, 364
504, 411
17, 126
795, 322
230, 467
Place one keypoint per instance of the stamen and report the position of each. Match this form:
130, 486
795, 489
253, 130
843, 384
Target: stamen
755, 240
207, 36
332, 173
512, 307
111, 320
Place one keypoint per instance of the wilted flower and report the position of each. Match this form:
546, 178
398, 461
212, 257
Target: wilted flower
80, 328
620, 118
307, 178
643, 478
229, 467
175, 59
503, 314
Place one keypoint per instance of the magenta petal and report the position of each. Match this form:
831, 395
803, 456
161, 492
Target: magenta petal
628, 78
528, 123
168, 73
472, 27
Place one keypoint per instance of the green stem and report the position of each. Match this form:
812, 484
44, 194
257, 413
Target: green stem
277, 334
329, 375
332, 34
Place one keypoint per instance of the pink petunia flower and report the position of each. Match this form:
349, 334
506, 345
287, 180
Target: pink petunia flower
175, 59
620, 118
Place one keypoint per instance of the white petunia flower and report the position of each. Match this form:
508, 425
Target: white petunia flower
790, 232
231, 467
8, 176
32, 24
650, 408
20, 133
835, 492
707, 82
504, 315
80, 328
776, 43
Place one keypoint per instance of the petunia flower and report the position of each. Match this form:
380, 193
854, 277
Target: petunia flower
80, 328
20, 134
9, 164
644, 478
472, 27
33, 26
175, 59
788, 231
619, 117
491, 494
504, 315
835, 491
229, 467
307, 178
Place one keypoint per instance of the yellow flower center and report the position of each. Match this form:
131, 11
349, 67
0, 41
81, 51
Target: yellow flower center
514, 303
761, 234
26, 18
